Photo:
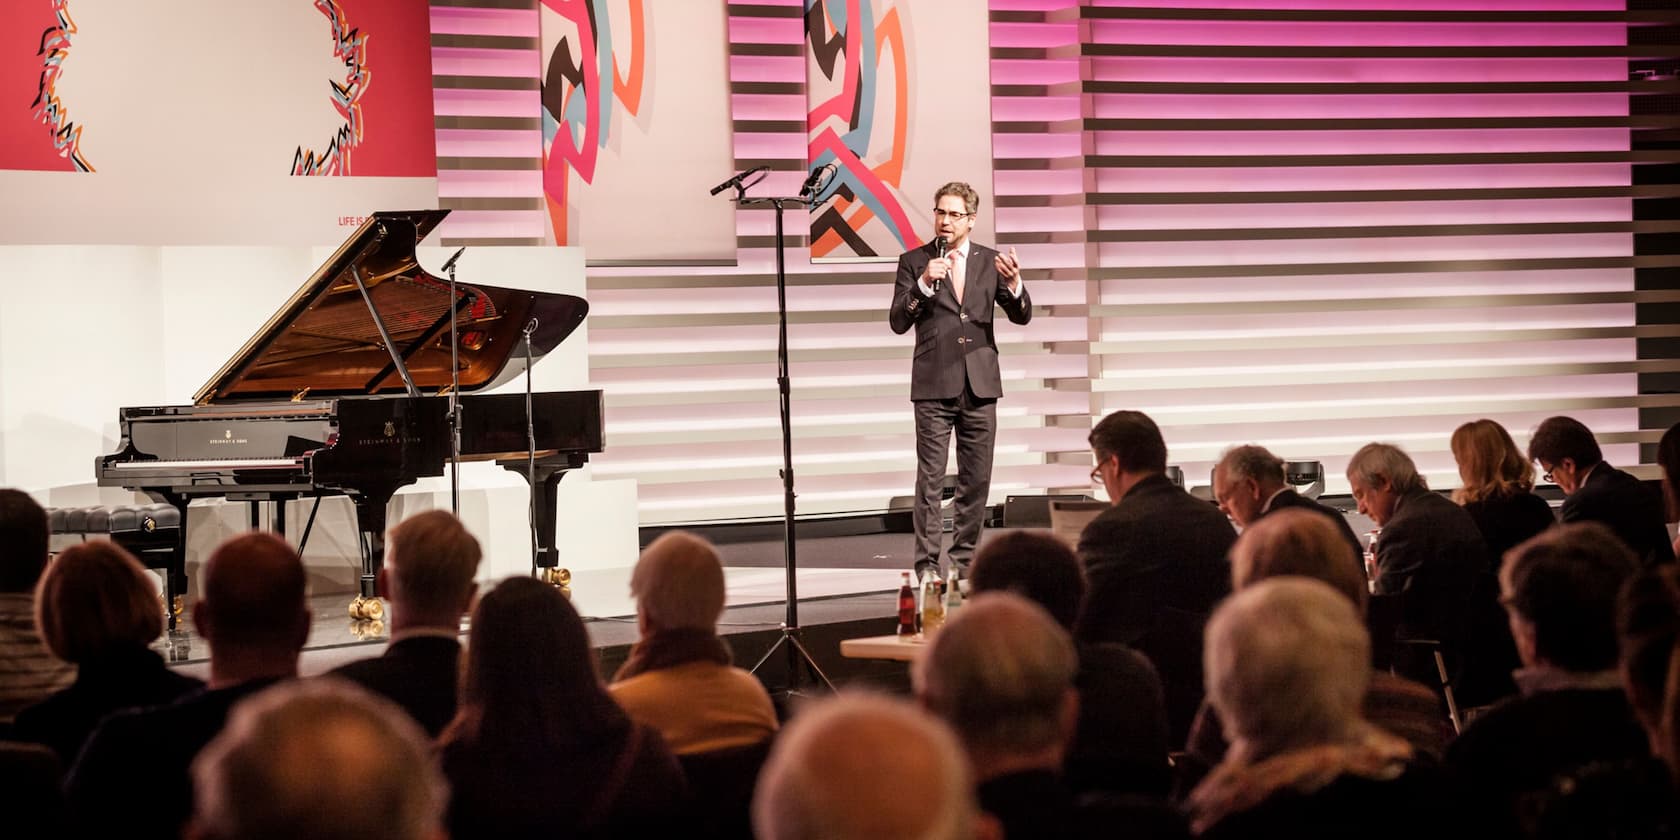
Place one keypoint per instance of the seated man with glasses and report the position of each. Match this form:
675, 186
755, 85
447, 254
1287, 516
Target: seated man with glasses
946, 290
1155, 562
1594, 491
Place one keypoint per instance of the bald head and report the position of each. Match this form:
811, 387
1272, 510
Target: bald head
1001, 673
320, 759
253, 595
862, 766
678, 583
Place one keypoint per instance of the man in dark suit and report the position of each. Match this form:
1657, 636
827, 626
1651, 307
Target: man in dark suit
1155, 561
1596, 492
1249, 483
131, 779
1430, 554
946, 290
428, 577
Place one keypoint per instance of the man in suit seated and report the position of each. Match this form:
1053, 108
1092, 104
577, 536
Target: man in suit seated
1155, 561
861, 766
1249, 483
1597, 492
428, 577
1429, 554
319, 759
131, 779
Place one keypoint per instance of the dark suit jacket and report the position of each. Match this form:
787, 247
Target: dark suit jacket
132, 779
122, 680
954, 344
417, 673
1431, 554
1291, 499
1630, 508
1156, 566
1121, 743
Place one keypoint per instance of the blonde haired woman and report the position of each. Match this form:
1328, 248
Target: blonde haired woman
1498, 488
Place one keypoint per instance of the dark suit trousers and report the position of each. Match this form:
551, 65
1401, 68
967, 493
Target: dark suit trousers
974, 420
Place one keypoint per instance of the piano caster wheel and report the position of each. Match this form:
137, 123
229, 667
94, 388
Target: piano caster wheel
367, 629
367, 609
558, 578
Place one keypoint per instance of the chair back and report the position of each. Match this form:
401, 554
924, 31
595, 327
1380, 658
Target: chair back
722, 783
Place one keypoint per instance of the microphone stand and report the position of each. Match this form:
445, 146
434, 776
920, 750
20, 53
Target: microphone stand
454, 392
796, 651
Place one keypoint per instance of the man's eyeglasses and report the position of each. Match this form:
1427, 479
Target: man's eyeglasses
1096, 473
1547, 477
953, 215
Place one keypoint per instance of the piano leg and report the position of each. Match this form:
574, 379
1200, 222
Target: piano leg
175, 577
370, 520
546, 482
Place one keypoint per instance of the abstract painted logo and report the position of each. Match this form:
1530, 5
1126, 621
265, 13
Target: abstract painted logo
585, 75
55, 46
857, 84
350, 47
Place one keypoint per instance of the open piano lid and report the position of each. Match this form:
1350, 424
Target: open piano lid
324, 341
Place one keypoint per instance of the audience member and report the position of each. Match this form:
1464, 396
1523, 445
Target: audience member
1498, 488
1636, 798
96, 606
1001, 674
1249, 483
680, 678
28, 671
1497, 491
1429, 555
1668, 459
320, 759
1155, 561
535, 718
1597, 492
861, 767
1121, 742
132, 777
430, 562
1288, 665
1304, 544
1560, 591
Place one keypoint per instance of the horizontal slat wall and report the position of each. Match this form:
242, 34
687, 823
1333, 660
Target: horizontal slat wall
486, 84
687, 356
1301, 223
1319, 224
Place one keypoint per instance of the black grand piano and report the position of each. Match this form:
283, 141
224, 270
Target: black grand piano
344, 391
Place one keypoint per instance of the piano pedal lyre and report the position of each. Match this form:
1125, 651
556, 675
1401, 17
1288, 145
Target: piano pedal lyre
559, 578
367, 609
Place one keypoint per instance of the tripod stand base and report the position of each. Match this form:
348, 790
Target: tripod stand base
797, 655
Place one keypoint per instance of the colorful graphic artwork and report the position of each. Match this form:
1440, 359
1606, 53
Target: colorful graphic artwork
387, 128
36, 132
857, 84
586, 78
349, 46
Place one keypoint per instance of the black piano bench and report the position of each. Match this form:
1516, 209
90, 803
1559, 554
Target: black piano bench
152, 533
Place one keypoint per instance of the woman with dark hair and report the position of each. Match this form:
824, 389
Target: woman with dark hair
1498, 488
538, 747
97, 607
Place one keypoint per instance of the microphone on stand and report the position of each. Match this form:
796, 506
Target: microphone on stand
815, 179
450, 263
